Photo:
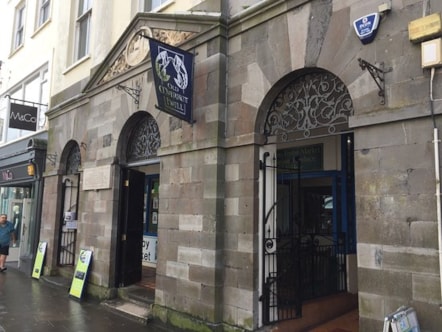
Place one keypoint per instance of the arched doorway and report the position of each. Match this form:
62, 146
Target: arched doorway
307, 194
69, 197
139, 201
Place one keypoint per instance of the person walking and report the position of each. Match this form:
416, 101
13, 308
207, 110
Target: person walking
7, 233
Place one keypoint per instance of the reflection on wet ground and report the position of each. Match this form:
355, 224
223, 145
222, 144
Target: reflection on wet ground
27, 304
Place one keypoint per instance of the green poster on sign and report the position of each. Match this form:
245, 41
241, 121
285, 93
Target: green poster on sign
38, 264
80, 274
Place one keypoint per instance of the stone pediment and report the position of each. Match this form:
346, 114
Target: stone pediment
132, 48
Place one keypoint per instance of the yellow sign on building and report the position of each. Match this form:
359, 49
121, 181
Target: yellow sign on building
425, 28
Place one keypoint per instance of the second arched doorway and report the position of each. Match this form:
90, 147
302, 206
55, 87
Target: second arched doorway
307, 224
137, 236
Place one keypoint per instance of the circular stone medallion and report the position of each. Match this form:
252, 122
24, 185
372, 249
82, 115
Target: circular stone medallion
137, 48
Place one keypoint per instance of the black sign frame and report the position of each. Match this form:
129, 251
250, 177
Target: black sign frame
23, 117
172, 70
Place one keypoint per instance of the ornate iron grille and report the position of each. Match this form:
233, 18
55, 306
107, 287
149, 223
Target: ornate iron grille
313, 105
73, 161
144, 140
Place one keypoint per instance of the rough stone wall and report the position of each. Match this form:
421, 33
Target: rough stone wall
397, 240
190, 234
397, 232
48, 229
192, 181
208, 232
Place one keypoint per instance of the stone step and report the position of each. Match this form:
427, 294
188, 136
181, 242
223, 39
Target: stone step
139, 312
137, 294
134, 302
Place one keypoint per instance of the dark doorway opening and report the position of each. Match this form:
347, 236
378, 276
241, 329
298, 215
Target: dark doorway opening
130, 234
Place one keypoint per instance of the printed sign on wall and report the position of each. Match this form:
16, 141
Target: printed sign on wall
150, 244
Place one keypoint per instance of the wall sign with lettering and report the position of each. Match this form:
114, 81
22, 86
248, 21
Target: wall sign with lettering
310, 156
23, 117
172, 70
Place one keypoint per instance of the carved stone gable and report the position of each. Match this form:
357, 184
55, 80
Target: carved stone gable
137, 49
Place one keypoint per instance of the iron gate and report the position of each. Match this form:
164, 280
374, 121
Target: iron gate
69, 198
68, 230
297, 266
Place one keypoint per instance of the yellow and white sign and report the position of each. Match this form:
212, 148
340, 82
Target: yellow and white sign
38, 264
80, 273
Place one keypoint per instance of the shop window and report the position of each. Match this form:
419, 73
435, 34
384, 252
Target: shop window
12, 204
151, 204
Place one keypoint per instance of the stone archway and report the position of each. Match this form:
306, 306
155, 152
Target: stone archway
308, 210
138, 217
71, 163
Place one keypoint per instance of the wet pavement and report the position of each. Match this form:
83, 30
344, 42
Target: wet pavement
28, 304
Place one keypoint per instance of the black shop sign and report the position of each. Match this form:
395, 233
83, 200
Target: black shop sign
23, 117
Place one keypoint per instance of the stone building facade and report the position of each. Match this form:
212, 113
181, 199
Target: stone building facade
293, 148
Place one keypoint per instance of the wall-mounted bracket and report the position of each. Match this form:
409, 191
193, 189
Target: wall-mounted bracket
378, 75
134, 93
52, 157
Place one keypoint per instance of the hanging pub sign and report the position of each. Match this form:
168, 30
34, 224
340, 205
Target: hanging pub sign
23, 117
173, 77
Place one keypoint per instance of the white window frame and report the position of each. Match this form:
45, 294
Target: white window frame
154, 5
44, 93
44, 11
20, 91
19, 26
83, 29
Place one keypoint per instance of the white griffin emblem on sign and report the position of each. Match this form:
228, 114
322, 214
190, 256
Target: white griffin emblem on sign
162, 62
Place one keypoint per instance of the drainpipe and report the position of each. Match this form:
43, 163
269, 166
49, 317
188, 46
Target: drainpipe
437, 175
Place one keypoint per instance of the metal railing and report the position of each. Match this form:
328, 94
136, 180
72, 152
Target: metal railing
303, 269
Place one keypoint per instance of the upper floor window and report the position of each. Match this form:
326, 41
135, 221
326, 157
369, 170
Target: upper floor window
152, 5
44, 9
33, 91
19, 25
83, 27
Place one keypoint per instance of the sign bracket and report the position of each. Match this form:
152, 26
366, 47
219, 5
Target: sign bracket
25, 101
378, 76
134, 93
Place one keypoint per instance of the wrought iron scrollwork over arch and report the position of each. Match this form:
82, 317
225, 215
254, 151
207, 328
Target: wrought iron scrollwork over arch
73, 160
144, 140
312, 105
